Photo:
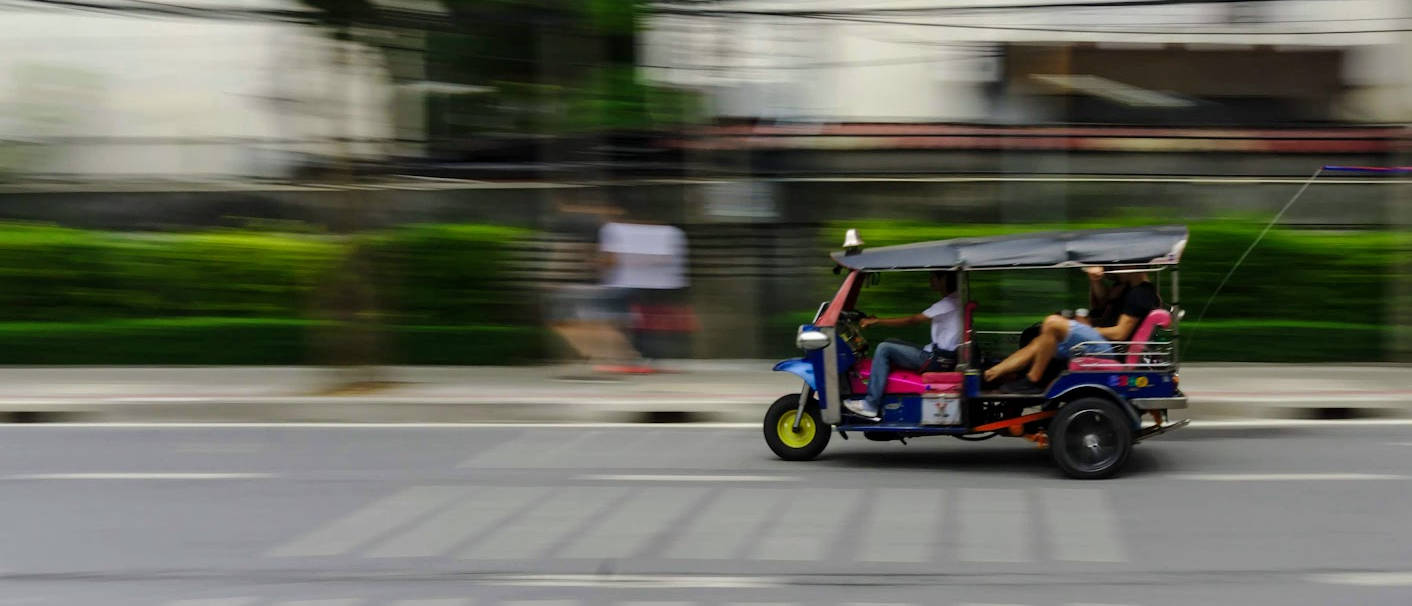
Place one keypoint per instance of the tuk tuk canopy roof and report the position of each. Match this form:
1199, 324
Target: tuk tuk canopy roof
1161, 245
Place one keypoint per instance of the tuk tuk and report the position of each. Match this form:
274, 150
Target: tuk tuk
1092, 406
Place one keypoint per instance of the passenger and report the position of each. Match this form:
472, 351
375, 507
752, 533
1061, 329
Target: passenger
945, 319
1058, 335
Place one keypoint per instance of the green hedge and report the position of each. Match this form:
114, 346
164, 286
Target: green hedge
1300, 296
252, 341
447, 274
440, 292
56, 274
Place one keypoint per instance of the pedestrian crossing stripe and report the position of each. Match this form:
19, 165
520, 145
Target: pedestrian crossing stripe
884, 525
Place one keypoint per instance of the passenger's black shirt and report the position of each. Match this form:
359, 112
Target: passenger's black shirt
1136, 302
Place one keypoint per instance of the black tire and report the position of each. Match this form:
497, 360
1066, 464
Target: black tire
1091, 438
806, 444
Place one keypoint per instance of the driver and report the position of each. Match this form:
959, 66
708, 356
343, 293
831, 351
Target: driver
945, 319
1128, 306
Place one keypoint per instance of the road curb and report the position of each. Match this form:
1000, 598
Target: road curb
372, 409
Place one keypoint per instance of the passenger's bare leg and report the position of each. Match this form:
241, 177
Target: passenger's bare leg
1051, 334
1016, 362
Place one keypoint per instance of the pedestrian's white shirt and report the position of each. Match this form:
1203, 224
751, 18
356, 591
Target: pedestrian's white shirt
946, 323
645, 256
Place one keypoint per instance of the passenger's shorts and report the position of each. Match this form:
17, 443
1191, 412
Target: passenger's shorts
1081, 333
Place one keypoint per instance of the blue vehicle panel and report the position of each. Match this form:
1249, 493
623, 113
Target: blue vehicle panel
902, 410
1125, 385
815, 361
910, 430
801, 367
971, 385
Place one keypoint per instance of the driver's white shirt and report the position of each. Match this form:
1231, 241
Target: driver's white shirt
946, 323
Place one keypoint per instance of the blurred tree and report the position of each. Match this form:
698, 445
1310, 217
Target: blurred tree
547, 66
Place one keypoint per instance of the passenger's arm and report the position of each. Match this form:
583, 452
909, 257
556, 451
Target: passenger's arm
1097, 288
898, 321
1120, 331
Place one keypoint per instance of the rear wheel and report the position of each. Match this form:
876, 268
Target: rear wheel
1090, 438
791, 445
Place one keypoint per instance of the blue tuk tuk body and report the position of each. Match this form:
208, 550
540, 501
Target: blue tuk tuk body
1089, 415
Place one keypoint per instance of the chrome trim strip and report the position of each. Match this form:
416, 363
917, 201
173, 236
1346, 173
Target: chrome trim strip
1159, 403
833, 405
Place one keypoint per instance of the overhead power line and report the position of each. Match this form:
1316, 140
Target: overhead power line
1089, 30
669, 8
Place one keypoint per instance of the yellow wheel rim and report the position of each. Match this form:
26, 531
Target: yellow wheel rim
792, 438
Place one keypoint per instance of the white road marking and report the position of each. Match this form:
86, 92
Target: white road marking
215, 602
628, 528
435, 602
541, 603
901, 525
657, 603
994, 525
1365, 579
370, 522
532, 535
1081, 525
1093, 604
635, 581
807, 526
685, 478
336, 602
139, 476
475, 514
1275, 423
723, 529
1281, 477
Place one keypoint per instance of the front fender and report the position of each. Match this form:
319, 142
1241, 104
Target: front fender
798, 366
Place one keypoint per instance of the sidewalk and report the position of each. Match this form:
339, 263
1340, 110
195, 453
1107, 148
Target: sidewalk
721, 391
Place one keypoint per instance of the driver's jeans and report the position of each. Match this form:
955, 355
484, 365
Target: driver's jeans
887, 356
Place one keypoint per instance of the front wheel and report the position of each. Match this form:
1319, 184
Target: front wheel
1090, 438
802, 445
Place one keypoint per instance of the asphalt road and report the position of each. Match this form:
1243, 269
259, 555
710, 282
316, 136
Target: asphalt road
550, 516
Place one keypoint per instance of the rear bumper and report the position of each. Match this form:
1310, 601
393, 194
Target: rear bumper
1157, 430
1174, 402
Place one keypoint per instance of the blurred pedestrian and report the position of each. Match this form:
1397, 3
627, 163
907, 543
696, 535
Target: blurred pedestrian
646, 270
582, 310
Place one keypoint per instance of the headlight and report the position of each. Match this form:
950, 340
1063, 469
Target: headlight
809, 340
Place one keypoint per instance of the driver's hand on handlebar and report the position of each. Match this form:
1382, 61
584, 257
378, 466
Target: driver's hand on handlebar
868, 321
1094, 272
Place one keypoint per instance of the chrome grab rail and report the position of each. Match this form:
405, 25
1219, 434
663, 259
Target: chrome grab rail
1155, 355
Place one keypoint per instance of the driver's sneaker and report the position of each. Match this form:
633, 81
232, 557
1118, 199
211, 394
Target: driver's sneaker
862, 409
1022, 386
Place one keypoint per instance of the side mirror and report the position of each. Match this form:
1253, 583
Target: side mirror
810, 340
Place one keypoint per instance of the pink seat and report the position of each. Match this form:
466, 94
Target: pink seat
1155, 318
1094, 363
908, 381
